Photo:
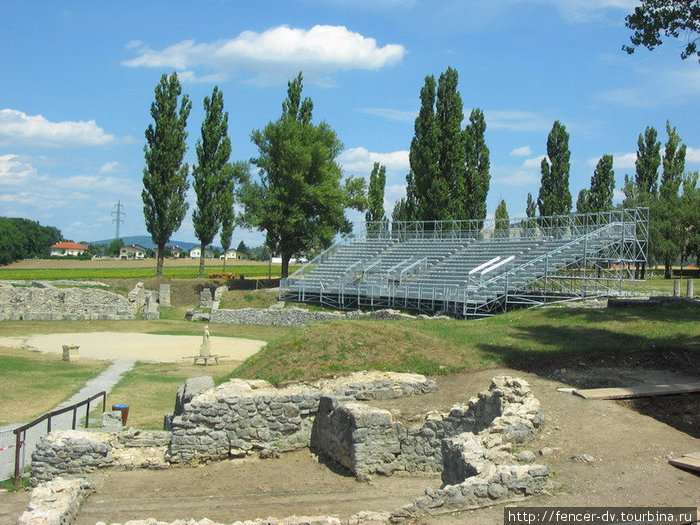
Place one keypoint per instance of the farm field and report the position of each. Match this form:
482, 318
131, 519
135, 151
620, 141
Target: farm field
38, 269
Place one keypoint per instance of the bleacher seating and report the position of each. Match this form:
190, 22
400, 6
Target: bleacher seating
465, 276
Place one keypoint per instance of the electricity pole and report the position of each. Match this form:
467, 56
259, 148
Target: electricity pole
118, 214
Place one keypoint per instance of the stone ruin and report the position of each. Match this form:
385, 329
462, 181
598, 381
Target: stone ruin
469, 445
45, 301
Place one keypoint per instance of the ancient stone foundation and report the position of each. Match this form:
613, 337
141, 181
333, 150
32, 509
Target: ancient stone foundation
470, 445
52, 304
241, 416
366, 440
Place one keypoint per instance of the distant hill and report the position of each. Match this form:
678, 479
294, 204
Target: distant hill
147, 242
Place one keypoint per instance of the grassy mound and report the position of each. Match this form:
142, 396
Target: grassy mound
433, 347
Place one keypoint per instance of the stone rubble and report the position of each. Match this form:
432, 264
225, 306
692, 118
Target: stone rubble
55, 502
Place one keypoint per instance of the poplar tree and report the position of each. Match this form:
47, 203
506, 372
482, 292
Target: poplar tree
477, 174
375, 194
642, 190
450, 188
600, 197
165, 175
501, 228
667, 234
213, 152
554, 197
424, 185
583, 201
230, 174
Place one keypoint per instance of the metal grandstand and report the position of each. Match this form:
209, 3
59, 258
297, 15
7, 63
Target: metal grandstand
473, 269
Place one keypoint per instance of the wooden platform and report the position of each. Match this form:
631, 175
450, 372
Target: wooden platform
690, 461
643, 390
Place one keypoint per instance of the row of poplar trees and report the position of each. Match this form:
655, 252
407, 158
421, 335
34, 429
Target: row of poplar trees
449, 166
299, 199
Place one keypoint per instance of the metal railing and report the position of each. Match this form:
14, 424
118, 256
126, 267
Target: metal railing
21, 432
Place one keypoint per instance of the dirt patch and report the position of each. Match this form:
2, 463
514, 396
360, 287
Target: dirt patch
142, 347
628, 466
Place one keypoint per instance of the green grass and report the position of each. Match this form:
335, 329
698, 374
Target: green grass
234, 299
173, 272
443, 346
34, 383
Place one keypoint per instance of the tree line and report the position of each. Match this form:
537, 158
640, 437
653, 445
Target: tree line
300, 196
25, 239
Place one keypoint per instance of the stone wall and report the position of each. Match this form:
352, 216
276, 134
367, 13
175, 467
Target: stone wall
79, 452
295, 316
239, 416
55, 502
366, 440
50, 303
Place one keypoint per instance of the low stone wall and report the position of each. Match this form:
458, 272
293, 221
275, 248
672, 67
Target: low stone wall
78, 452
50, 303
55, 502
241, 416
295, 316
367, 440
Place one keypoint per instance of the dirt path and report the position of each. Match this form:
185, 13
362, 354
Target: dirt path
629, 468
142, 347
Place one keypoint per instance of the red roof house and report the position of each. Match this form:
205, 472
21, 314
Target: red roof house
64, 248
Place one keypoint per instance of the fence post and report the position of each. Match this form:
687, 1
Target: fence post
87, 413
18, 446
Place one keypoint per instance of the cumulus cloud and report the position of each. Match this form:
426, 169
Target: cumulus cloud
692, 155
271, 55
523, 151
359, 161
14, 169
517, 177
620, 160
535, 162
17, 129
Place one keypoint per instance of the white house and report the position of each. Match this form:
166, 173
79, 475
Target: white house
196, 252
133, 251
231, 254
65, 248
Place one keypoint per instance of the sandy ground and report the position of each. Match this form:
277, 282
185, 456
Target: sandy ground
142, 347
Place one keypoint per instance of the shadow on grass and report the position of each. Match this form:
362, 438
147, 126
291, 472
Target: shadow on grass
565, 332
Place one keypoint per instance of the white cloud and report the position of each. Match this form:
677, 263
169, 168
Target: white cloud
110, 167
692, 155
580, 11
398, 115
18, 129
272, 55
523, 151
535, 162
359, 161
516, 120
13, 169
620, 160
517, 177
27, 191
657, 87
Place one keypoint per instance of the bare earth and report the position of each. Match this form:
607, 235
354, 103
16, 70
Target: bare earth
143, 347
630, 454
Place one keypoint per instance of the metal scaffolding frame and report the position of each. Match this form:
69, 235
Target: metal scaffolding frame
540, 260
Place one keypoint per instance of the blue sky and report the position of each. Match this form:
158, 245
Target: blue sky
78, 79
